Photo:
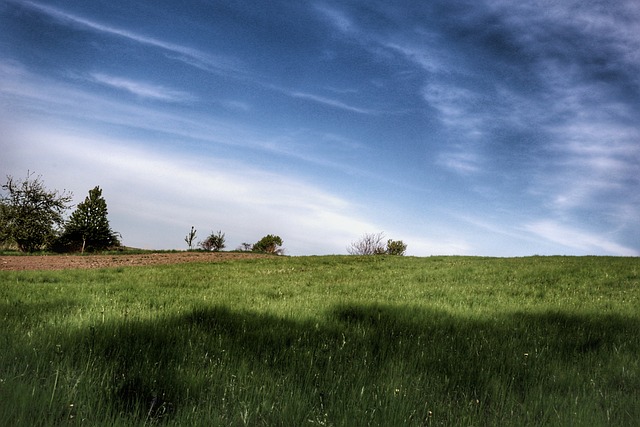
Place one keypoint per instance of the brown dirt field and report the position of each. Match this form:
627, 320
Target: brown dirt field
62, 262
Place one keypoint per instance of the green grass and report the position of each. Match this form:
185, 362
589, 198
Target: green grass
342, 341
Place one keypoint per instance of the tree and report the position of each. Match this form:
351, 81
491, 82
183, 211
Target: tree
372, 244
396, 247
88, 227
5, 236
191, 237
369, 244
215, 242
245, 247
31, 215
270, 244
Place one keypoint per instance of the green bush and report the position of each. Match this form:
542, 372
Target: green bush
396, 247
31, 215
270, 244
372, 244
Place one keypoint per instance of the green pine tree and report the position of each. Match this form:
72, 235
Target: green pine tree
88, 227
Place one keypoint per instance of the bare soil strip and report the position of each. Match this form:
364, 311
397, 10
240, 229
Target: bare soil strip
63, 262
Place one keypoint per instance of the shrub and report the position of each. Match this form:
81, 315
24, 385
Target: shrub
369, 244
245, 247
270, 244
215, 242
396, 247
372, 244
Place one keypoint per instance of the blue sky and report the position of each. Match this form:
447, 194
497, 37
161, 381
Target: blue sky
499, 128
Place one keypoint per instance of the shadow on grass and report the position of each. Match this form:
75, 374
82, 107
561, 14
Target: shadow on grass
379, 364
27, 314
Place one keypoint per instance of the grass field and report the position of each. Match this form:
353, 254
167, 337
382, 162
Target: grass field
340, 341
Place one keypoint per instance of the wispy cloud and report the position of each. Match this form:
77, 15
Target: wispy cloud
592, 158
442, 246
585, 242
66, 17
54, 100
456, 107
186, 54
463, 162
593, 167
331, 102
236, 105
336, 18
142, 89
576, 32
209, 192
426, 56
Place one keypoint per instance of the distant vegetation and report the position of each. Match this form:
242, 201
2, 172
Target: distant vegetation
270, 244
191, 237
334, 341
372, 244
30, 214
88, 228
32, 218
214, 242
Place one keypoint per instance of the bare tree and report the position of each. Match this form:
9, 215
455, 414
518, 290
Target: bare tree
245, 247
215, 242
191, 237
368, 244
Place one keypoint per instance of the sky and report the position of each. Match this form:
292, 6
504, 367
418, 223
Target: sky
480, 127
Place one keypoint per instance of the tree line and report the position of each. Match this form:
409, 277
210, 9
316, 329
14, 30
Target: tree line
32, 219
215, 242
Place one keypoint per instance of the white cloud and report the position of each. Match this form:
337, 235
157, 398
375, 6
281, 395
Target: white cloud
55, 100
330, 102
188, 55
154, 197
236, 105
420, 246
456, 106
585, 242
461, 162
66, 17
615, 25
594, 156
425, 55
336, 18
142, 89
47, 99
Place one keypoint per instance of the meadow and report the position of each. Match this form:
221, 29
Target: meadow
330, 341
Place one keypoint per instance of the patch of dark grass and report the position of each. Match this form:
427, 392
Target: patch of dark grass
364, 364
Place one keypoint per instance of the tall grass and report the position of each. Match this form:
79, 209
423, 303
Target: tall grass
325, 341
